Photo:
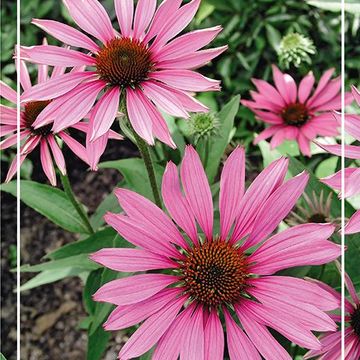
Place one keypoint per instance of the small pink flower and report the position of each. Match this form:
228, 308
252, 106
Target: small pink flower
296, 112
228, 270
352, 174
42, 136
141, 66
331, 342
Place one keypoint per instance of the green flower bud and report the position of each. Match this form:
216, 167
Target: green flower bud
202, 125
295, 49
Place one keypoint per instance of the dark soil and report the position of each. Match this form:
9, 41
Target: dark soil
50, 314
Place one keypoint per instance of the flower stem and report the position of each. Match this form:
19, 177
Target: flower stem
145, 154
70, 194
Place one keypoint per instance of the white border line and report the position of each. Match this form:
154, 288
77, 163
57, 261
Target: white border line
342, 179
18, 320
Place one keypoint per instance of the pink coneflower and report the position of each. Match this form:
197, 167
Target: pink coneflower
43, 136
211, 274
296, 112
139, 66
351, 174
331, 342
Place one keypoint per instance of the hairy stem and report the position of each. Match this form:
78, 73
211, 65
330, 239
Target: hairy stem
70, 194
145, 154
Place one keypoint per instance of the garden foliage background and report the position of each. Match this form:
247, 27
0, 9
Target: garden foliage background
253, 31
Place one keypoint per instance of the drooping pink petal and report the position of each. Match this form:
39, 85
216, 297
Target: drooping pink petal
291, 288
352, 291
330, 91
289, 249
66, 34
186, 80
170, 343
268, 132
55, 56
161, 18
264, 102
57, 154
47, 163
352, 125
269, 91
24, 75
257, 194
276, 207
72, 107
74, 145
260, 336
95, 149
144, 13
7, 92
56, 87
334, 180
175, 23
159, 126
239, 345
8, 116
164, 99
214, 338
305, 87
352, 184
194, 60
13, 166
138, 116
197, 190
151, 330
324, 80
291, 88
91, 16
104, 113
140, 235
129, 315
351, 151
12, 140
304, 144
280, 84
131, 260
356, 94
353, 225
193, 346
187, 43
176, 203
232, 186
294, 331
133, 289
144, 211
303, 313
125, 12
267, 116
189, 102
278, 138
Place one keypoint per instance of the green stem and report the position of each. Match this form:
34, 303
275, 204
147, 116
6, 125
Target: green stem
70, 194
145, 154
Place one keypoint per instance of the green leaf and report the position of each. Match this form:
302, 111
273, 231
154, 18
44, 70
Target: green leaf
97, 343
218, 143
352, 6
50, 276
102, 239
2, 357
135, 174
50, 202
81, 262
